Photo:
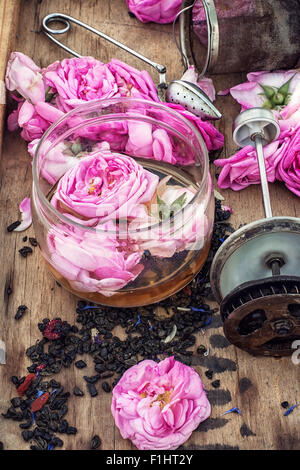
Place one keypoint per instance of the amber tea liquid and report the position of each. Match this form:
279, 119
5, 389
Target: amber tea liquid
161, 277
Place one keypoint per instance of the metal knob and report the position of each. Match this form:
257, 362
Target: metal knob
257, 127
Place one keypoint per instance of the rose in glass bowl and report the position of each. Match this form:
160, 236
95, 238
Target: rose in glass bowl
95, 209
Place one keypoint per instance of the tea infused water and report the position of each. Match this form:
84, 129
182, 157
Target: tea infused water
122, 222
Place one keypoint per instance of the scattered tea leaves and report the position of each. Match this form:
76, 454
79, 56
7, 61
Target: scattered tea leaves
20, 312
95, 442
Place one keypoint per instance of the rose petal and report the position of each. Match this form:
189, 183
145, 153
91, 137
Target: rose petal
25, 210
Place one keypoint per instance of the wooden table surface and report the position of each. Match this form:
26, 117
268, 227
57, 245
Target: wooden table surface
256, 385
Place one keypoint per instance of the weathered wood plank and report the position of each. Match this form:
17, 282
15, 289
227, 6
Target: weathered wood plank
269, 381
8, 27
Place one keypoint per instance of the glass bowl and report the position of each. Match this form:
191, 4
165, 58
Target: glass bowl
122, 201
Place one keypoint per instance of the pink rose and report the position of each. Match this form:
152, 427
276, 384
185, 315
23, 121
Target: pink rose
158, 11
105, 185
12, 120
33, 119
211, 136
288, 167
253, 94
189, 229
32, 124
145, 142
241, 170
56, 161
159, 405
74, 81
24, 76
92, 262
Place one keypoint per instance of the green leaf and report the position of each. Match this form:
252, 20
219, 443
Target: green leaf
267, 104
49, 96
163, 209
268, 90
284, 89
179, 202
278, 99
76, 147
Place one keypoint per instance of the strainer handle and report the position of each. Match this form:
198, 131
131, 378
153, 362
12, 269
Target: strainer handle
212, 34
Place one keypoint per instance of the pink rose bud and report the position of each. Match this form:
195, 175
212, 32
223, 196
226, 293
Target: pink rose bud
24, 76
32, 124
159, 405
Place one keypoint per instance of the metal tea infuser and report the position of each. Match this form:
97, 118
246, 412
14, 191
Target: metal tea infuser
255, 275
187, 94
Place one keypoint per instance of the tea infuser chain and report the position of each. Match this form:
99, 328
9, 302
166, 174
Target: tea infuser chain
187, 94
66, 20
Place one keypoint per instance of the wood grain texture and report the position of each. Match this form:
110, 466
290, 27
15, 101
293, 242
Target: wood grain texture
256, 385
8, 26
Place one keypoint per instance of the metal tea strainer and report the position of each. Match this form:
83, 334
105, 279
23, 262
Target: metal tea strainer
255, 275
177, 89
185, 93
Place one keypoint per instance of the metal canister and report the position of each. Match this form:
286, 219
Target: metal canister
226, 36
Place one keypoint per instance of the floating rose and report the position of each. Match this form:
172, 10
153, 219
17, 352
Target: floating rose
144, 141
165, 237
159, 405
158, 11
92, 261
105, 185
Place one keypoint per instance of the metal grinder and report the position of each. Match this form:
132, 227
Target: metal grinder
255, 275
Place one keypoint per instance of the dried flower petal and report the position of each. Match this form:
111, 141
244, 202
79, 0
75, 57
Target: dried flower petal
233, 410
171, 335
52, 330
291, 408
25, 210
